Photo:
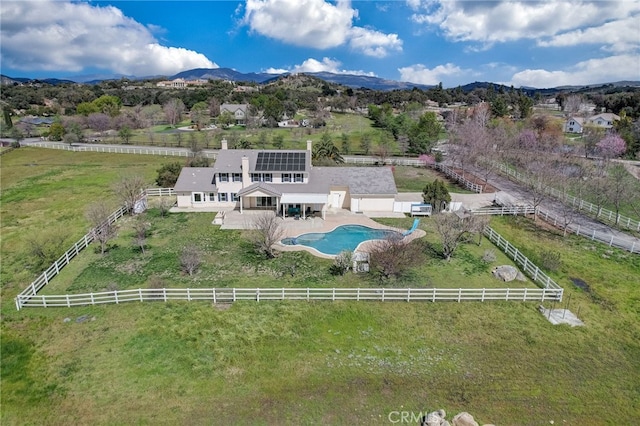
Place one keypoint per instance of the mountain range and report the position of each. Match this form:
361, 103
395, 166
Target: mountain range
348, 80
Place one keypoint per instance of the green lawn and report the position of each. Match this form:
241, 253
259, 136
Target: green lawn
298, 362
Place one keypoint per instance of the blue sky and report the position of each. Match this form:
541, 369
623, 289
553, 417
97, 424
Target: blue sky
545, 43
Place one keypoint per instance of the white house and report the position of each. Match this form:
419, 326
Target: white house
577, 124
239, 111
283, 181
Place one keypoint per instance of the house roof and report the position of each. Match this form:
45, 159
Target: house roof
579, 120
607, 116
261, 187
230, 160
195, 179
360, 180
234, 107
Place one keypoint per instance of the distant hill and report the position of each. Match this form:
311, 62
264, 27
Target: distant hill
5, 81
348, 80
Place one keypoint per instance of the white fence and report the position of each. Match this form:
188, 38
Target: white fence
174, 152
527, 266
581, 205
459, 178
64, 260
229, 295
29, 297
159, 192
611, 240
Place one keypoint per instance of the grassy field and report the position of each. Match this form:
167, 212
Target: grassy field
297, 362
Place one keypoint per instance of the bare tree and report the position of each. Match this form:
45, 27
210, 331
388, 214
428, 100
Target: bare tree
572, 103
477, 224
102, 229
46, 246
452, 230
130, 190
190, 259
173, 110
266, 231
140, 230
392, 257
620, 187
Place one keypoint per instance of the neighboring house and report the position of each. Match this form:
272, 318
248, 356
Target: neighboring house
574, 125
239, 112
603, 120
283, 181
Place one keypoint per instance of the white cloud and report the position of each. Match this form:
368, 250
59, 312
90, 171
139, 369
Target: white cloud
617, 36
317, 24
593, 71
64, 36
313, 65
422, 75
500, 21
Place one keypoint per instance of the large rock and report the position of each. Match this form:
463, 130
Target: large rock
505, 273
436, 418
463, 419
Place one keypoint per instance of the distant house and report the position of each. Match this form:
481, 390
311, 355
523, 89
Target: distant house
577, 124
180, 83
283, 181
239, 112
574, 125
37, 121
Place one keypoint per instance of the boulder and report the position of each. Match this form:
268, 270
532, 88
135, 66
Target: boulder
463, 419
436, 418
505, 273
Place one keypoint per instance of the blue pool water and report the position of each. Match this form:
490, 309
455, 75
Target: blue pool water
345, 237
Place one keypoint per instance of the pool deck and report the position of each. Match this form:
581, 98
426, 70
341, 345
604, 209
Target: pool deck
333, 218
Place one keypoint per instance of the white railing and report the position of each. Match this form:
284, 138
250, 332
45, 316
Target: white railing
599, 212
458, 178
229, 295
504, 210
64, 260
629, 245
175, 152
528, 267
159, 192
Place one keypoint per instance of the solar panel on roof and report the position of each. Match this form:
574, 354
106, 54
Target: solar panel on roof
281, 161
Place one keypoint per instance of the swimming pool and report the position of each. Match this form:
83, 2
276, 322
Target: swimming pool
344, 237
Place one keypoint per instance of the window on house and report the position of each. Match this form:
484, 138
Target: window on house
265, 202
237, 177
224, 177
222, 196
261, 177
297, 177
198, 197
212, 196
286, 177
234, 196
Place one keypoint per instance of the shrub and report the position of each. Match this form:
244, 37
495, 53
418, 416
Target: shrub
342, 263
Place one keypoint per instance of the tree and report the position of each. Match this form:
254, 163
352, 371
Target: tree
452, 231
342, 263
393, 257
611, 146
200, 115
344, 144
326, 151
125, 133
190, 259
525, 104
436, 194
102, 229
70, 138
45, 246
168, 175
87, 108
424, 133
173, 110
620, 187
56, 131
365, 143
140, 231
108, 104
8, 122
130, 189
266, 231
226, 119
99, 122
278, 141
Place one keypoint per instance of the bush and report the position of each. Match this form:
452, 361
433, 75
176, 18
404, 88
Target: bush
551, 260
342, 263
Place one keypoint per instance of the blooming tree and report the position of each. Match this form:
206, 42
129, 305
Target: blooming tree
611, 146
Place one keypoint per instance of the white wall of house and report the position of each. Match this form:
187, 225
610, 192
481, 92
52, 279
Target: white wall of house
374, 204
338, 199
198, 200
